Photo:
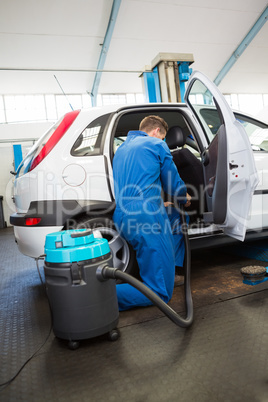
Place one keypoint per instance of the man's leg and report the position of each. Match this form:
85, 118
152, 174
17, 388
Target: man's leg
152, 240
129, 297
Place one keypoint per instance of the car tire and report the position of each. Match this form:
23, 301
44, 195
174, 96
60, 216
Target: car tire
124, 256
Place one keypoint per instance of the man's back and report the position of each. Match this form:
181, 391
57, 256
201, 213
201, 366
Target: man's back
137, 166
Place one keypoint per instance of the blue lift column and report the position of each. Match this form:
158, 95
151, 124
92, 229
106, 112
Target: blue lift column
184, 74
165, 80
17, 155
151, 86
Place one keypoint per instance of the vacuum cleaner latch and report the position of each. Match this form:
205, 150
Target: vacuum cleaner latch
75, 273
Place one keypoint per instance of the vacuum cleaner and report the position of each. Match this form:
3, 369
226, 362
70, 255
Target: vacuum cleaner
81, 286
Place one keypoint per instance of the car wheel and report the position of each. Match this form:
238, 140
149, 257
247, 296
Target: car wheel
124, 257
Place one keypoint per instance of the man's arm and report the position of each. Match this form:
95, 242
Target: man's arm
171, 181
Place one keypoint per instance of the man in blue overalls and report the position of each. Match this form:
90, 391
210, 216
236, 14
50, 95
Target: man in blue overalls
142, 167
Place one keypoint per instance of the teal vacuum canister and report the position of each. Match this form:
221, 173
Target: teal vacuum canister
82, 306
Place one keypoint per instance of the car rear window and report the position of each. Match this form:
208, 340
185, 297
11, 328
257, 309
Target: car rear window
89, 141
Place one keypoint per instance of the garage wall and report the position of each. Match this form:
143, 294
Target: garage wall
10, 134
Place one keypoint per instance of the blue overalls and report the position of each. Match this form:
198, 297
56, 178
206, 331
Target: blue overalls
142, 167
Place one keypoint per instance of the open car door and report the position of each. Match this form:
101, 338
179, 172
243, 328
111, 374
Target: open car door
229, 168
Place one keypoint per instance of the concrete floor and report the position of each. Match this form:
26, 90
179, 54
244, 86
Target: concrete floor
222, 357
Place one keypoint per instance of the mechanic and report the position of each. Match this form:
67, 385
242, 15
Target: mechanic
142, 167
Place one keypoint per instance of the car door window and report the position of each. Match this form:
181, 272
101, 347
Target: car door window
203, 103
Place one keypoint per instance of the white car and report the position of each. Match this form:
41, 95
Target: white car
66, 179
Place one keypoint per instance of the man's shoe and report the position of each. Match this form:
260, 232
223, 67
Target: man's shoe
179, 280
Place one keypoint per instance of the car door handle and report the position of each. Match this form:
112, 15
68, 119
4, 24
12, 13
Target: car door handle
232, 166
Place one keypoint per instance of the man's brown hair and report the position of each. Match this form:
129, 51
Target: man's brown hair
151, 122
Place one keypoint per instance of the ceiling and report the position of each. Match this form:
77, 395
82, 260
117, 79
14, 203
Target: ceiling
54, 44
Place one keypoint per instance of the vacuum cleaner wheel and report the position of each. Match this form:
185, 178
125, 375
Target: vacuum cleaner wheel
114, 334
73, 345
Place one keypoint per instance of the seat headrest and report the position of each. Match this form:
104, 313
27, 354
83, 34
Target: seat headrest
175, 137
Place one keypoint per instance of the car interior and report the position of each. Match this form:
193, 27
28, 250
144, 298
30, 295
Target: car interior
183, 147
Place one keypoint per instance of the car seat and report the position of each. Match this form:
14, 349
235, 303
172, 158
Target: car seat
189, 168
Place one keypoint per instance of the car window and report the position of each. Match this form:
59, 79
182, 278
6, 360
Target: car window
257, 131
118, 141
202, 101
89, 141
193, 150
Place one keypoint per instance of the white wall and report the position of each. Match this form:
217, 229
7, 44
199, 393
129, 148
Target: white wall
8, 134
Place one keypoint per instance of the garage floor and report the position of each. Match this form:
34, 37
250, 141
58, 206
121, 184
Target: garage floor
222, 357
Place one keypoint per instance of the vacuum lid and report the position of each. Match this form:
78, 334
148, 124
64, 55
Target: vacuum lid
74, 245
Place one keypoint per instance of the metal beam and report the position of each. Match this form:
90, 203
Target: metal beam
243, 46
69, 70
104, 51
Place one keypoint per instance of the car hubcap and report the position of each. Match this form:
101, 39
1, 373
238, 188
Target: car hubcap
119, 247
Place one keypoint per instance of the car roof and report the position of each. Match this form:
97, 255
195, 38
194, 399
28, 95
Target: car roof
98, 111
121, 107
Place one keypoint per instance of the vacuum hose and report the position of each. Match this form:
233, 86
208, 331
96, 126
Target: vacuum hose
107, 272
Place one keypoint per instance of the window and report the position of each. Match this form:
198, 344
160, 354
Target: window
202, 102
117, 142
50, 107
2, 110
24, 108
257, 132
89, 141
212, 120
